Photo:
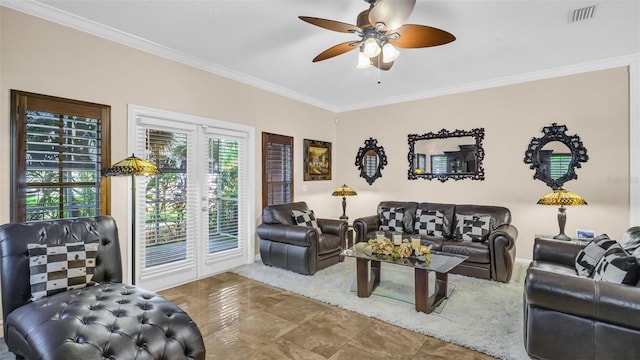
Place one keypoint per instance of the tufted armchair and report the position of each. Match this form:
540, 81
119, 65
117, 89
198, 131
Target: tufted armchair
110, 320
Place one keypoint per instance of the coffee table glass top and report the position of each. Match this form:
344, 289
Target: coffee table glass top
440, 262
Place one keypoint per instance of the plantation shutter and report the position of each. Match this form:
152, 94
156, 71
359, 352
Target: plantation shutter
371, 163
59, 151
559, 165
227, 191
439, 164
277, 169
166, 204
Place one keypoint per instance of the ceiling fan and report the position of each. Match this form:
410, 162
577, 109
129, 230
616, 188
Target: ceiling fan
381, 30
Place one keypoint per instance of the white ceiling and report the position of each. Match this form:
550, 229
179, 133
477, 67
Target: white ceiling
263, 43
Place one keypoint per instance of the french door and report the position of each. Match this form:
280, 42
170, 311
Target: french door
192, 220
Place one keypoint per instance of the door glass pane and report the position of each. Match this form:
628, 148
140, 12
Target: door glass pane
166, 199
222, 192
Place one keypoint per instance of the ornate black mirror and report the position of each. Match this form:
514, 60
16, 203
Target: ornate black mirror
370, 160
555, 156
446, 155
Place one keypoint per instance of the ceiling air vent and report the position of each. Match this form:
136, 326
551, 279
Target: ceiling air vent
582, 14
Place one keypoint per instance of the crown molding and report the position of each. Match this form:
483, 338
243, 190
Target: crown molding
76, 22
603, 64
49, 13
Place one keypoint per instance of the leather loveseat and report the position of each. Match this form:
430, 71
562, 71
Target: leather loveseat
302, 249
567, 316
109, 320
492, 257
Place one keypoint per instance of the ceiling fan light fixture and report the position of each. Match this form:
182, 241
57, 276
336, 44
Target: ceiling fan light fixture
389, 53
381, 31
363, 61
371, 48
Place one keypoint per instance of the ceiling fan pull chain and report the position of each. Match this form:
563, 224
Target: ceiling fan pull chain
379, 72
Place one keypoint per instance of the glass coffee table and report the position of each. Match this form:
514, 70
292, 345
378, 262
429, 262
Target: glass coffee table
368, 272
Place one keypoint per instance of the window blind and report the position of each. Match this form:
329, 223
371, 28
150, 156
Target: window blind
559, 165
224, 192
277, 169
63, 162
166, 214
439, 164
372, 164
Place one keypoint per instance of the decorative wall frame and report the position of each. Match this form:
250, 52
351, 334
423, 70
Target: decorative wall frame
536, 155
458, 155
370, 160
317, 160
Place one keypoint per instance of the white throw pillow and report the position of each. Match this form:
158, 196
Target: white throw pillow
589, 257
306, 218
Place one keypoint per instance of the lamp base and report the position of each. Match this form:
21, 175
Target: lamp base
344, 209
562, 220
562, 237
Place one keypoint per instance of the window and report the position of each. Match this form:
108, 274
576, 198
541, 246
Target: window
559, 165
59, 147
371, 162
223, 169
277, 169
422, 162
439, 164
166, 197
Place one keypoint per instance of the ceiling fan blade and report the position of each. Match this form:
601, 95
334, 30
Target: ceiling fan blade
377, 62
419, 36
337, 50
330, 24
392, 13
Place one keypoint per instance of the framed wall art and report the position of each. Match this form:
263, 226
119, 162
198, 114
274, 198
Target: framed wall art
317, 160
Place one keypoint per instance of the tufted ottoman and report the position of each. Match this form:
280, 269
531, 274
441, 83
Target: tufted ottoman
110, 320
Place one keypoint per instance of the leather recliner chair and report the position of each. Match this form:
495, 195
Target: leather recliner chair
286, 245
110, 320
571, 317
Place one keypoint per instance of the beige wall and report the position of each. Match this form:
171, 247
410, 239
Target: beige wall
593, 105
42, 57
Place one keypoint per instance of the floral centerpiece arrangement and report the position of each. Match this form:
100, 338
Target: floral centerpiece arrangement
405, 249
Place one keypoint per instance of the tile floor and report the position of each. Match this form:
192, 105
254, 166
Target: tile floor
243, 319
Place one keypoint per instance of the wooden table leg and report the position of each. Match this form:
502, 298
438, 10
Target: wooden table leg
366, 285
443, 280
421, 279
423, 303
375, 267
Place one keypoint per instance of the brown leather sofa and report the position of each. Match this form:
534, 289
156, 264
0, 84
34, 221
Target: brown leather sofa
493, 259
110, 320
571, 317
297, 248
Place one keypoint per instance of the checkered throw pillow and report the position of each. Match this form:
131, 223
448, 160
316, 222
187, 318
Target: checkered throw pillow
55, 268
306, 218
589, 257
474, 228
617, 267
392, 219
429, 222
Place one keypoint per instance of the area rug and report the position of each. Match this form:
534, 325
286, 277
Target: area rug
4, 352
482, 315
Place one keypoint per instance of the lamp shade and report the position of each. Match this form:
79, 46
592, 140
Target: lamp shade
344, 190
562, 197
132, 166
